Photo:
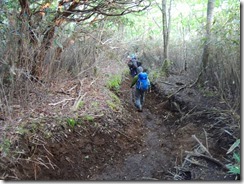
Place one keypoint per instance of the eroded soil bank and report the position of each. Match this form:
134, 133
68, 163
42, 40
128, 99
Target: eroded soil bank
150, 145
165, 141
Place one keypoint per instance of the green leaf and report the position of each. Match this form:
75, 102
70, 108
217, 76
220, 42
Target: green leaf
236, 144
71, 122
234, 169
56, 42
237, 157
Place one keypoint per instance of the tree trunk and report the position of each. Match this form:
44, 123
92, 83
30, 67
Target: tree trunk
39, 57
166, 26
164, 17
205, 56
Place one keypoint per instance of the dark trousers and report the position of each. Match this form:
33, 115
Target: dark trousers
139, 97
133, 72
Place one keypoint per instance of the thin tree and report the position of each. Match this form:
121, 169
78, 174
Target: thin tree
206, 50
166, 20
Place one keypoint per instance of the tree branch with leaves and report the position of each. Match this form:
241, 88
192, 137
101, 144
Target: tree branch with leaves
66, 11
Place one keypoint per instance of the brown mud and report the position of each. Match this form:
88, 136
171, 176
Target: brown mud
148, 145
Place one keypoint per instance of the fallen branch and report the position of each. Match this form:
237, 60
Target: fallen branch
72, 88
47, 150
93, 82
207, 158
186, 86
64, 100
195, 163
183, 87
77, 102
187, 114
206, 137
177, 107
204, 148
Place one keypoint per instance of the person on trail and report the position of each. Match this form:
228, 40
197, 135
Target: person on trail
142, 85
133, 63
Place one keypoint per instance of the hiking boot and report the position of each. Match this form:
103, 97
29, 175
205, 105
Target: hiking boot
140, 109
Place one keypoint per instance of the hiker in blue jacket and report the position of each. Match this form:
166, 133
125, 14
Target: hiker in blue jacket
142, 85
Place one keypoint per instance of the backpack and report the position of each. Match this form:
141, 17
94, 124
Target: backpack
143, 82
133, 63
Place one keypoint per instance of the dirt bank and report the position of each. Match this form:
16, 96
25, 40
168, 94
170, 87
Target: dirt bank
130, 145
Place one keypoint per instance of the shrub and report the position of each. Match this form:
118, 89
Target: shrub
114, 82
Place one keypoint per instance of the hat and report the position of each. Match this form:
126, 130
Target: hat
133, 56
139, 69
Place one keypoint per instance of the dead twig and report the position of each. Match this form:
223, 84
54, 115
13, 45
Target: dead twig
187, 157
204, 148
72, 88
35, 161
177, 107
50, 163
207, 158
130, 138
195, 163
79, 98
93, 82
77, 102
187, 114
47, 150
206, 137
64, 100
176, 176
34, 165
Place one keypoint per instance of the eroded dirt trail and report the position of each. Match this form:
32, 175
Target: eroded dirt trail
160, 149
128, 145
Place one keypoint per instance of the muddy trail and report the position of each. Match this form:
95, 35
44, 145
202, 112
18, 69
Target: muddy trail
161, 154
159, 149
125, 145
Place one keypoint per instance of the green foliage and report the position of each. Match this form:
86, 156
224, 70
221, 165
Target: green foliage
234, 168
162, 71
235, 145
89, 118
71, 122
94, 104
165, 67
114, 103
226, 26
22, 130
5, 146
74, 122
115, 98
126, 72
80, 104
154, 75
114, 82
